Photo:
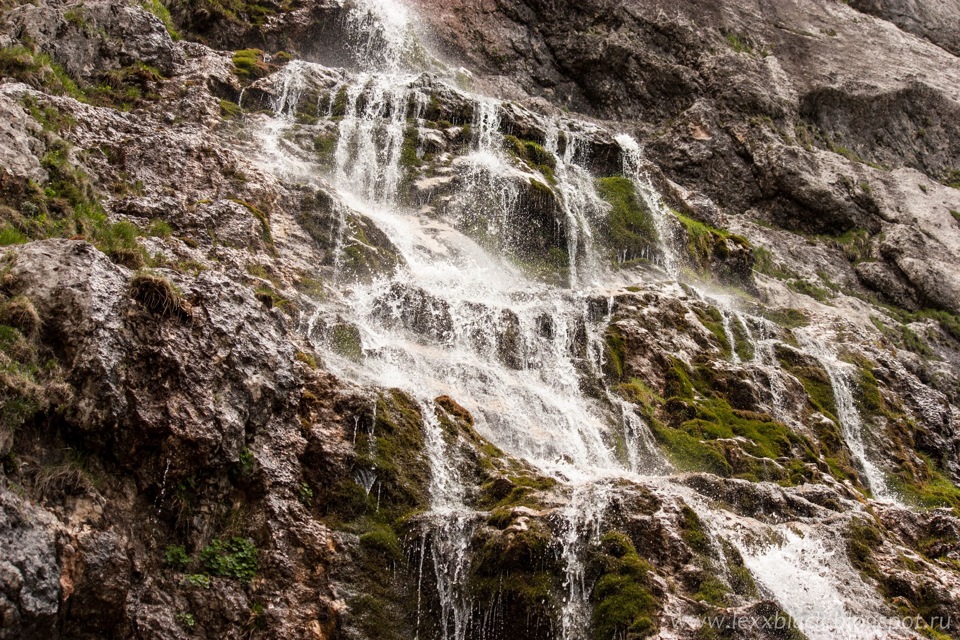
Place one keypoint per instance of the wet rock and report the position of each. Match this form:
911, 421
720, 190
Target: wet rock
416, 310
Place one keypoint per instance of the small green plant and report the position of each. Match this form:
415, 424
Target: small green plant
175, 557
38, 70
10, 236
249, 65
630, 226
198, 580
246, 461
75, 17
158, 295
305, 494
160, 229
186, 620
233, 558
230, 109
955, 214
953, 178
739, 43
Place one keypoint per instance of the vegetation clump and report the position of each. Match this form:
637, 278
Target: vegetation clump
623, 603
249, 64
233, 558
158, 295
534, 156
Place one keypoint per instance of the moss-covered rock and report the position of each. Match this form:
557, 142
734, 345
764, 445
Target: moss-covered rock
718, 253
629, 229
623, 603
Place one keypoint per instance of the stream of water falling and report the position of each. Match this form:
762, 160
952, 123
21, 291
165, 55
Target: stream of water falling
662, 218
851, 423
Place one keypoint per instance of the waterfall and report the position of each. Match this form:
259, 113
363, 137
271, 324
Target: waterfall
371, 136
581, 204
459, 317
810, 577
851, 423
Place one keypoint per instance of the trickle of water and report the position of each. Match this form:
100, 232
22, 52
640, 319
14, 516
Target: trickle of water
452, 529
163, 487
383, 32
851, 423
662, 217
813, 581
371, 136
583, 517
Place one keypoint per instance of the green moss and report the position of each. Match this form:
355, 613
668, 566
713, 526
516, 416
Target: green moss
266, 234
382, 539
623, 603
929, 487
807, 288
157, 8
630, 228
389, 450
514, 490
814, 378
230, 109
706, 433
785, 317
712, 319
741, 580
615, 351
744, 345
713, 591
689, 453
325, 146
705, 244
903, 336
534, 156
693, 532
766, 265
345, 341
248, 64
677, 380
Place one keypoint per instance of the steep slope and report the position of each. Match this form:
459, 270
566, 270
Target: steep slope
640, 324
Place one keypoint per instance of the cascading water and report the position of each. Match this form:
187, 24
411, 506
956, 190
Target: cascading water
809, 576
458, 318
580, 203
450, 534
583, 517
851, 423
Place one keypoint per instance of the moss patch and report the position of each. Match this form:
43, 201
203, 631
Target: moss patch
623, 603
630, 228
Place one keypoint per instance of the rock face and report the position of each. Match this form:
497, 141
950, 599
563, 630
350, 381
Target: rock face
303, 337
